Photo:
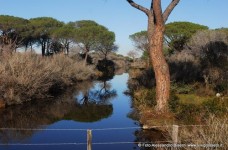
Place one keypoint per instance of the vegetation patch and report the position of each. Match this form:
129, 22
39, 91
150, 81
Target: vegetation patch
184, 108
214, 132
192, 99
26, 76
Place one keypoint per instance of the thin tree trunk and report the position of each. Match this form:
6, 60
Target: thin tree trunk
43, 48
67, 48
160, 67
31, 49
85, 60
156, 26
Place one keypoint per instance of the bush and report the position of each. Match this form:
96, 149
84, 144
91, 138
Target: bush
144, 97
204, 58
147, 98
107, 67
182, 88
140, 78
26, 76
197, 112
216, 106
173, 101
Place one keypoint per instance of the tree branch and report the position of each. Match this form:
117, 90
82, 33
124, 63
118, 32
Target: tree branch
139, 7
169, 9
151, 6
157, 12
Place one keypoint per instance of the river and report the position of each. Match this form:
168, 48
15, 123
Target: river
61, 124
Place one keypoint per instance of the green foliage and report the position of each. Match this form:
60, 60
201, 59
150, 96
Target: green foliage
93, 36
140, 40
43, 28
222, 87
216, 106
147, 98
12, 24
105, 44
188, 113
45, 25
13, 30
192, 108
177, 34
64, 36
145, 55
66, 31
173, 101
107, 67
182, 88
138, 35
87, 32
53, 35
144, 97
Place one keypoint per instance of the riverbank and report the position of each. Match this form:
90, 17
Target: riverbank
202, 120
27, 76
201, 115
88, 105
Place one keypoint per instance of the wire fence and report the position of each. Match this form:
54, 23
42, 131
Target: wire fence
174, 135
97, 129
95, 143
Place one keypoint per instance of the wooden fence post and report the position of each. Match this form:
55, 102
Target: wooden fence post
175, 134
89, 139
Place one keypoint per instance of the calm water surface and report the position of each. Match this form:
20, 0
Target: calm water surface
97, 105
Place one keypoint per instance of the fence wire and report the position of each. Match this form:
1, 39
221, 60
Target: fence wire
98, 129
95, 129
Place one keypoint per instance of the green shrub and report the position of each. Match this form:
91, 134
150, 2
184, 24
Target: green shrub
173, 102
223, 87
215, 106
145, 97
182, 88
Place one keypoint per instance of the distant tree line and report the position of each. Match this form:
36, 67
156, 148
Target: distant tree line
53, 36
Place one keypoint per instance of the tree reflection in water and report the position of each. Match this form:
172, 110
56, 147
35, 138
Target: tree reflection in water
104, 94
94, 106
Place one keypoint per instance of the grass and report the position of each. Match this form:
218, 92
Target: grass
189, 109
27, 76
184, 108
214, 132
192, 99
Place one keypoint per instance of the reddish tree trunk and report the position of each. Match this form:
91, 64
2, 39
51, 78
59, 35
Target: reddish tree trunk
161, 70
156, 27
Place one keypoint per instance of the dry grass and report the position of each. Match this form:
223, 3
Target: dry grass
211, 136
215, 133
25, 76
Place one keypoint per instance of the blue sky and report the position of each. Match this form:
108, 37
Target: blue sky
118, 15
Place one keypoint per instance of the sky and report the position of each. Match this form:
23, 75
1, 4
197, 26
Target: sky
117, 15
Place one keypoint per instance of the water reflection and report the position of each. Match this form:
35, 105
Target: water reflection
90, 102
104, 93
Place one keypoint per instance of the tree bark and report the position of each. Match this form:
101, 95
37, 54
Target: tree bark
161, 70
43, 48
